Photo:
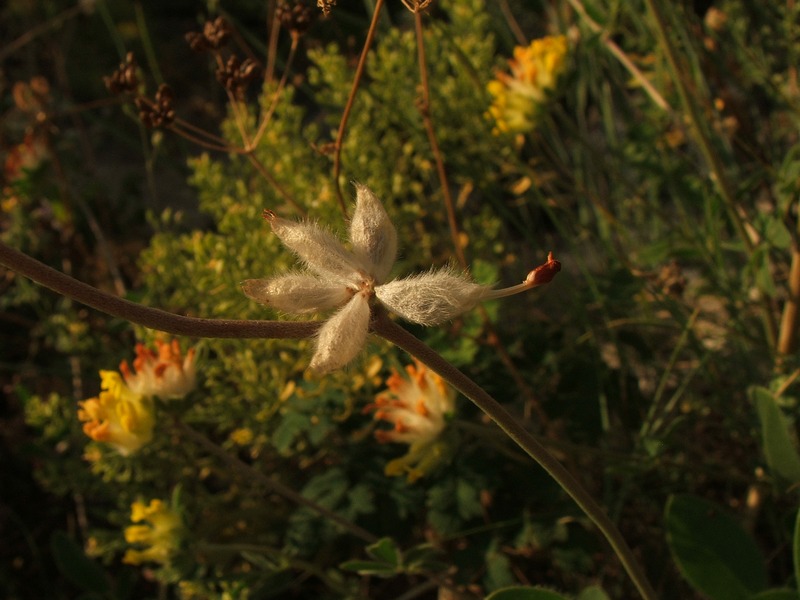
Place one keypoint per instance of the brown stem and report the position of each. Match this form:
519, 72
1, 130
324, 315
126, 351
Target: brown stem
276, 97
274, 183
362, 61
425, 110
787, 336
389, 330
153, 318
271, 483
452, 222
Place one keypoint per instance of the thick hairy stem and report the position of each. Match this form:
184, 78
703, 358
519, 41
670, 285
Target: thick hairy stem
386, 328
153, 318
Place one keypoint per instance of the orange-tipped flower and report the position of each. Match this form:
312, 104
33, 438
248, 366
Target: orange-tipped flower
418, 406
165, 373
118, 416
518, 96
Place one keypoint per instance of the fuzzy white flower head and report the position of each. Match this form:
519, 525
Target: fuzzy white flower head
349, 279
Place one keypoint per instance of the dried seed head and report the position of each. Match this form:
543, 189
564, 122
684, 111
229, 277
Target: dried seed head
214, 36
159, 113
325, 6
124, 80
217, 32
416, 5
236, 75
294, 15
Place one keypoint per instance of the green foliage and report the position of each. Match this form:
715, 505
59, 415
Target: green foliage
647, 367
712, 550
779, 449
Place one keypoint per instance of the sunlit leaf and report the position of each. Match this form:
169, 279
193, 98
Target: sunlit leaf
712, 551
779, 449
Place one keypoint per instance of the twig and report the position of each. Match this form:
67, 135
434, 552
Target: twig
274, 183
30, 35
712, 158
620, 55
362, 61
787, 338
425, 110
512, 22
271, 483
389, 330
153, 318
277, 95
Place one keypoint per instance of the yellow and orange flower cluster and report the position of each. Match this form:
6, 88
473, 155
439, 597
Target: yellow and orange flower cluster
165, 373
156, 536
418, 406
118, 416
518, 97
123, 414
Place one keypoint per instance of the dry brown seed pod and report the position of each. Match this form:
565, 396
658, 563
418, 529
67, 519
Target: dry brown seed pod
294, 16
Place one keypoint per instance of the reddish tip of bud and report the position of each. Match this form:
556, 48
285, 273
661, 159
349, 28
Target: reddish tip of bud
544, 273
268, 215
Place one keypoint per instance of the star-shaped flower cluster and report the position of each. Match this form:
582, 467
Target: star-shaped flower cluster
351, 279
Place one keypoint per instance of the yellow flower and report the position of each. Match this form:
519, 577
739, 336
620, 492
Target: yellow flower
166, 373
157, 538
517, 97
418, 406
242, 436
118, 416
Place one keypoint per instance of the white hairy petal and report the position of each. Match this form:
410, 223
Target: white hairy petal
372, 234
431, 298
296, 293
342, 336
322, 252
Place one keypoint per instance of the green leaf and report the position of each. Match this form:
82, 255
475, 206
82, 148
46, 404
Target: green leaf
369, 567
779, 449
76, 566
777, 234
777, 594
593, 592
796, 547
385, 550
713, 552
292, 425
525, 593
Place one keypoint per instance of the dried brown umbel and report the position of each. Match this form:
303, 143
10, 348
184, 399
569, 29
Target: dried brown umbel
125, 79
295, 16
158, 113
416, 5
236, 75
214, 36
325, 6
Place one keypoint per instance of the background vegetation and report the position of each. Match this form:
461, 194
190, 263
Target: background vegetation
659, 367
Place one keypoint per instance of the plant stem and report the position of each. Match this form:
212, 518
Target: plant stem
273, 484
362, 61
787, 338
389, 330
153, 318
710, 154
